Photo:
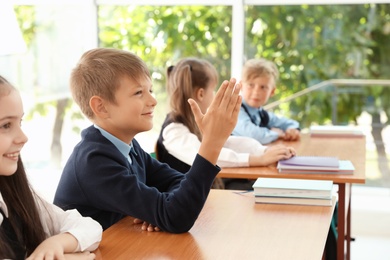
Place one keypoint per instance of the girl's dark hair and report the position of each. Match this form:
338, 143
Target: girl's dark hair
183, 79
22, 209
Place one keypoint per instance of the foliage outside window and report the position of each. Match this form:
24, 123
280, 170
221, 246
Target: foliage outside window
309, 44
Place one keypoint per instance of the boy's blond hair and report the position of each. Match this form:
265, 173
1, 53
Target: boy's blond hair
254, 68
98, 73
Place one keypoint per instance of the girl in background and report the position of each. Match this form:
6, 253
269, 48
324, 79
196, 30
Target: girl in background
29, 226
180, 137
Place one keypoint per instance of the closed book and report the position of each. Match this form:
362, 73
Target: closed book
345, 167
295, 194
335, 130
327, 163
293, 187
295, 201
311, 161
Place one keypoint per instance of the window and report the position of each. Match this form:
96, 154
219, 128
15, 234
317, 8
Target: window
309, 42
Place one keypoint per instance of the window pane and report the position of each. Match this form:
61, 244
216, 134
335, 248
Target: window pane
161, 35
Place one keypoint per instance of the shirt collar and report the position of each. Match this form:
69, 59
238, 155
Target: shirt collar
123, 147
253, 111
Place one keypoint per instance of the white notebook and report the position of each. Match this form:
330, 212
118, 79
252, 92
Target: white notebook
286, 187
295, 201
335, 130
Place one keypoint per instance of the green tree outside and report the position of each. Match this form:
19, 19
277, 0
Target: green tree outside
309, 44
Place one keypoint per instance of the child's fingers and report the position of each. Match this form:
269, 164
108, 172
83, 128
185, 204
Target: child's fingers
292, 151
137, 221
228, 99
195, 109
229, 96
237, 106
220, 94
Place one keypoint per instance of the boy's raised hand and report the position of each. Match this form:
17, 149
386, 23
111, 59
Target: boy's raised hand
220, 119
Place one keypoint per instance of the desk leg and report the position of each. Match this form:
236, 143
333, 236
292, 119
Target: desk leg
341, 223
348, 192
344, 222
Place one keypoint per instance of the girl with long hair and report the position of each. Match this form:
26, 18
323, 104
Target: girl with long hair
30, 227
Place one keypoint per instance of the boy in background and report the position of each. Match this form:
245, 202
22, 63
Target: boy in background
109, 176
259, 77
180, 138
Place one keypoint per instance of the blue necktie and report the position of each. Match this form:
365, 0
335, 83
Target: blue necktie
264, 118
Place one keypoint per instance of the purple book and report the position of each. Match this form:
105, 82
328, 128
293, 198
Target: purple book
310, 162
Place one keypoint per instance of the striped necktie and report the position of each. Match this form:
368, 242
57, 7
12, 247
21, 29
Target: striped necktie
264, 118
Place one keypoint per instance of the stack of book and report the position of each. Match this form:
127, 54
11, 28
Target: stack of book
293, 191
315, 164
335, 130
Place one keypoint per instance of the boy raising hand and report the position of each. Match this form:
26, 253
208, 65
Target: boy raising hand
108, 175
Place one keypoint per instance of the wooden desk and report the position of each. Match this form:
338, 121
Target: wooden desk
353, 149
230, 226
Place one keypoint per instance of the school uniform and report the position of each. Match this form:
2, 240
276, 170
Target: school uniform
257, 123
178, 147
101, 182
56, 221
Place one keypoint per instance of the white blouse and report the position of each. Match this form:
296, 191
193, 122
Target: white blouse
184, 145
55, 221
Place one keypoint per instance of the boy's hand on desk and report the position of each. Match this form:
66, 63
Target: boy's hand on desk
291, 134
146, 226
280, 132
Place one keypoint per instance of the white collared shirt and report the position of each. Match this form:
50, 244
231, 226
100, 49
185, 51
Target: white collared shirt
55, 221
184, 145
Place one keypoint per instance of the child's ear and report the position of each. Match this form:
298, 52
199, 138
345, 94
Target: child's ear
272, 91
199, 93
97, 105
